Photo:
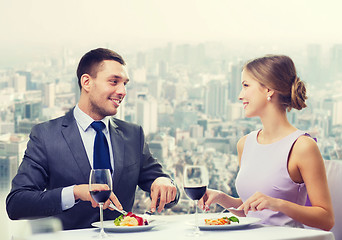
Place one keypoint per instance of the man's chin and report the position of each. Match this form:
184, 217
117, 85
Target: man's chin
113, 112
110, 112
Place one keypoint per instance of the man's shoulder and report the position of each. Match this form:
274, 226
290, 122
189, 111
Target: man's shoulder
123, 124
52, 123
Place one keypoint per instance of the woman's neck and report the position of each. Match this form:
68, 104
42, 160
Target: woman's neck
275, 127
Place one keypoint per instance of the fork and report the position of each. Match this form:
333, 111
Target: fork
146, 215
111, 205
232, 210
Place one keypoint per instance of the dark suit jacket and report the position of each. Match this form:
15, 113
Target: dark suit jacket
56, 158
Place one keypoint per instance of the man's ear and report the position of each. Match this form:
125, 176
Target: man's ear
85, 81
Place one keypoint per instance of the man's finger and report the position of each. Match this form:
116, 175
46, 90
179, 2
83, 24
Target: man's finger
115, 201
162, 202
93, 203
172, 194
154, 199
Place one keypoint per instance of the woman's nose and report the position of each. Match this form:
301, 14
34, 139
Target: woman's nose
240, 96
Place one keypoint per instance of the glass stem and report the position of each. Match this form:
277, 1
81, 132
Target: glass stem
196, 217
102, 233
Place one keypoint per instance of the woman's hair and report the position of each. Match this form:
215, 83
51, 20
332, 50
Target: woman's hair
90, 62
278, 73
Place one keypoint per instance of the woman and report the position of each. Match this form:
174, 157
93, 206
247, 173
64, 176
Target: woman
279, 164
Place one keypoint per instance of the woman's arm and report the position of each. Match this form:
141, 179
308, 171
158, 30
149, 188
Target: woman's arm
307, 157
305, 165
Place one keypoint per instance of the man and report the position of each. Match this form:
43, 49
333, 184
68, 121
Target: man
53, 177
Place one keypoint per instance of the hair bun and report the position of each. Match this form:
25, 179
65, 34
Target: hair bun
298, 94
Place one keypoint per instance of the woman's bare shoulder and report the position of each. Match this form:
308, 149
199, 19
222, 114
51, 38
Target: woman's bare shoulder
306, 151
304, 145
241, 143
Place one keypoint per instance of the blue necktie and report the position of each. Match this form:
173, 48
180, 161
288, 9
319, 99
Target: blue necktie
101, 151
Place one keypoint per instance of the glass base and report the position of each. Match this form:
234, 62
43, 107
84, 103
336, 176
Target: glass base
101, 235
195, 233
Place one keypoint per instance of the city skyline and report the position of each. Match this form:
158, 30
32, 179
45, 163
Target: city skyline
179, 79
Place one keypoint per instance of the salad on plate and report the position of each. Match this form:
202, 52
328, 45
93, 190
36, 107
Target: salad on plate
129, 220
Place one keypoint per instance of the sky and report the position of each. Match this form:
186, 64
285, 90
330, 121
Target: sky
33, 25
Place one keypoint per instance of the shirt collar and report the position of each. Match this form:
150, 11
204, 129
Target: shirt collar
84, 120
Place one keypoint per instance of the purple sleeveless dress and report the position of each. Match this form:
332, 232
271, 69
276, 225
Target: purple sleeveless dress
264, 169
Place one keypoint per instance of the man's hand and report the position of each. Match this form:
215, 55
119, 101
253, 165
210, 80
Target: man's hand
163, 189
81, 192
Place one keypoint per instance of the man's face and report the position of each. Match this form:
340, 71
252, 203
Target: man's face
107, 89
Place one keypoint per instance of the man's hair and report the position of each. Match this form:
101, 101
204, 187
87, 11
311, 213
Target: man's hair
89, 63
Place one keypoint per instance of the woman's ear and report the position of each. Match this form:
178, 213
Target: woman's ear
270, 92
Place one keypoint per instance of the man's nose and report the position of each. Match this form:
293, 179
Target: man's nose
121, 89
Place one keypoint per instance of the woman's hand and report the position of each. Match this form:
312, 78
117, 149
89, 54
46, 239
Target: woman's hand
259, 201
211, 196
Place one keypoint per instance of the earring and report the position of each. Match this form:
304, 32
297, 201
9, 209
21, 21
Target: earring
269, 98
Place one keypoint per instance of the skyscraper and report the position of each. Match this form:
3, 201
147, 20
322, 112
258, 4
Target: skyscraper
49, 95
336, 62
216, 99
147, 113
314, 68
29, 110
12, 148
234, 82
19, 83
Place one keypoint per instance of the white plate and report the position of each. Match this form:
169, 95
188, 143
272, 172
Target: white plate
111, 227
244, 222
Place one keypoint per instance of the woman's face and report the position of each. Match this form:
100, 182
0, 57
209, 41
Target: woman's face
253, 95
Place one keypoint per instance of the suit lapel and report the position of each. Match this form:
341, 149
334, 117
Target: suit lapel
118, 151
72, 136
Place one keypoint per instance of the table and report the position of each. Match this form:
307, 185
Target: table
177, 227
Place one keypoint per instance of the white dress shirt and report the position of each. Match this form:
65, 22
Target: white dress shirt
88, 137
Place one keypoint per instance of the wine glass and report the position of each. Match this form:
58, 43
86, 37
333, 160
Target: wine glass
100, 188
195, 184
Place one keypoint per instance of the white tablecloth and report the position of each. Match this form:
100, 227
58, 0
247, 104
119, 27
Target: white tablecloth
178, 227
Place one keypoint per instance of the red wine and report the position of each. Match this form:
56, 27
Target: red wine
100, 196
195, 193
